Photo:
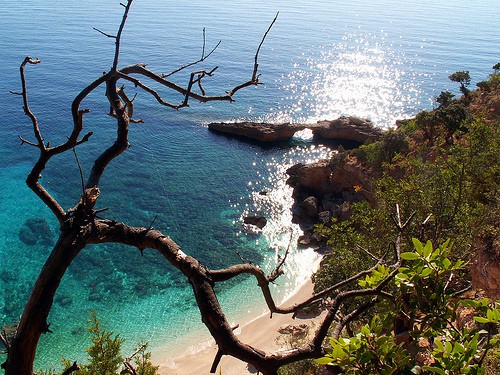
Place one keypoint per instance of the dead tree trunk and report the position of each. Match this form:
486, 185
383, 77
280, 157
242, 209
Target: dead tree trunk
80, 226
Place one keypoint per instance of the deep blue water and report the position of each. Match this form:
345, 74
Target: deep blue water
379, 59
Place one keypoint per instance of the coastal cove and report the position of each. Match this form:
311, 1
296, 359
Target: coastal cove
194, 184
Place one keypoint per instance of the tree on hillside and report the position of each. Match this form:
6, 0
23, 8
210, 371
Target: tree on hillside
444, 98
462, 77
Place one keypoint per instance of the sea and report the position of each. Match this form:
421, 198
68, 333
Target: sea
378, 59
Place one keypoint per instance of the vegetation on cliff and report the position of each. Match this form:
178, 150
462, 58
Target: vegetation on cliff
442, 169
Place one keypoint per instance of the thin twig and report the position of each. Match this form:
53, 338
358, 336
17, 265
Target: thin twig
380, 260
255, 78
203, 58
152, 222
105, 34
256, 62
119, 34
80, 170
277, 270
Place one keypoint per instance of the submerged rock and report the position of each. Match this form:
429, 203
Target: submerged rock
36, 230
259, 221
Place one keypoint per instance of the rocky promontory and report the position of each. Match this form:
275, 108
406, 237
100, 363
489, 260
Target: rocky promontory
345, 128
324, 189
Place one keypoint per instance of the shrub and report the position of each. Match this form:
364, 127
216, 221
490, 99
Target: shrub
424, 293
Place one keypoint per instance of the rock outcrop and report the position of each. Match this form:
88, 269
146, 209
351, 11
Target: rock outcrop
259, 221
349, 129
485, 266
324, 189
262, 132
352, 129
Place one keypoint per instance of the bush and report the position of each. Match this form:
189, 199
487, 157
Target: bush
424, 294
104, 353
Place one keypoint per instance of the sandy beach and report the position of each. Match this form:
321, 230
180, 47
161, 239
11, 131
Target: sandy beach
261, 332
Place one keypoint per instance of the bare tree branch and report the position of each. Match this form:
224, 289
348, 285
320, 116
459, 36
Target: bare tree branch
105, 34
119, 34
201, 59
80, 170
74, 367
129, 368
255, 77
26, 107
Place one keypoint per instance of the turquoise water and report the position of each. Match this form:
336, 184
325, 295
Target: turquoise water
379, 59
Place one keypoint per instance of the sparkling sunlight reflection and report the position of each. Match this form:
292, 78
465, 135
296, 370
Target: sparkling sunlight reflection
360, 76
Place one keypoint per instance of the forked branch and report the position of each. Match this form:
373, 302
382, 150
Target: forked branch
201, 59
255, 76
26, 107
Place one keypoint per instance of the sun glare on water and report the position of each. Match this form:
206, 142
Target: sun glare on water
359, 76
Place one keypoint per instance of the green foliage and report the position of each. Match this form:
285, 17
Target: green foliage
492, 359
444, 98
104, 353
392, 143
444, 122
496, 67
364, 229
370, 351
426, 284
452, 185
142, 359
424, 294
484, 85
458, 186
462, 77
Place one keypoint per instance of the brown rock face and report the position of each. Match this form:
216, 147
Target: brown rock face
350, 176
261, 132
314, 177
351, 128
341, 175
485, 268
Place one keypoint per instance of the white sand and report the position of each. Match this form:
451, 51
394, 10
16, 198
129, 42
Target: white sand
260, 332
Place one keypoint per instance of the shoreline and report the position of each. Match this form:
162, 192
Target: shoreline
259, 331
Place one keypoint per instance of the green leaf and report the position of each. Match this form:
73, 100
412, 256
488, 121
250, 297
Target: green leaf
439, 345
446, 263
458, 348
324, 360
434, 369
427, 250
410, 256
485, 301
480, 319
449, 347
416, 370
426, 272
489, 315
418, 245
365, 331
470, 303
493, 315
338, 352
